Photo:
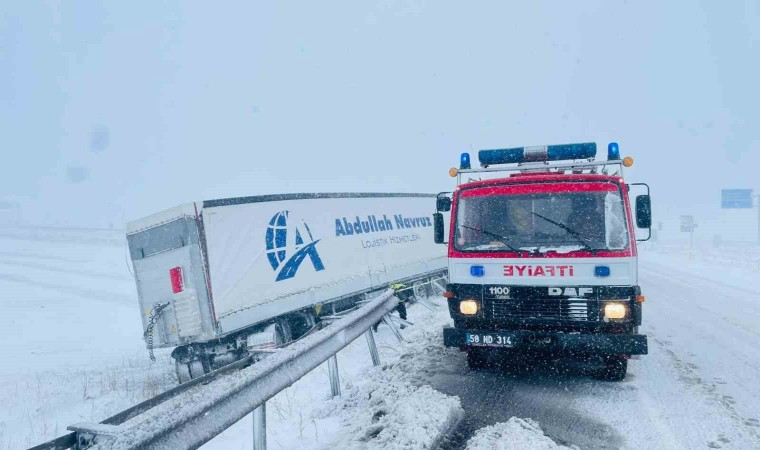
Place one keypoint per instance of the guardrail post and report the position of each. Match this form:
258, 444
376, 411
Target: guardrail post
332, 367
260, 427
372, 347
388, 321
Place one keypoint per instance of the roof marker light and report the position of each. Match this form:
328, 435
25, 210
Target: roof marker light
627, 161
453, 172
464, 162
540, 153
613, 151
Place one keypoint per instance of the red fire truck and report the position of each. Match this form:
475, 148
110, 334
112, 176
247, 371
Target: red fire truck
542, 256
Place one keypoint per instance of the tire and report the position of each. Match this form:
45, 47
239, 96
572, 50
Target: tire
615, 369
477, 358
297, 324
282, 331
183, 372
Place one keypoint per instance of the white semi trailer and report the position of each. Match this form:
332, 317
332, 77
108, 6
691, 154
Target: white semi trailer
219, 279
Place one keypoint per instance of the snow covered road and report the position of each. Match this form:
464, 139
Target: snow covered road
697, 388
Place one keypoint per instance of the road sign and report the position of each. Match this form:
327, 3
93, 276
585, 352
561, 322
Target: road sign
687, 224
736, 198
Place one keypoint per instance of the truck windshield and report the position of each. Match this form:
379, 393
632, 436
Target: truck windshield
560, 222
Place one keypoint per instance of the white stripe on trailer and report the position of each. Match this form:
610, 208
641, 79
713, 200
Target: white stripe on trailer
544, 271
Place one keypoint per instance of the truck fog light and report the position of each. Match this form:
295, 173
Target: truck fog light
468, 307
614, 311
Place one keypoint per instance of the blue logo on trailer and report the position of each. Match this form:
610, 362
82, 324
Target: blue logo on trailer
293, 236
736, 198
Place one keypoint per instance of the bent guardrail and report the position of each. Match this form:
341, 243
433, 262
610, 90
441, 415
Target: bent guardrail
194, 413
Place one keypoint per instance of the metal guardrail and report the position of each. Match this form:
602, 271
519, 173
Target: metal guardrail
191, 414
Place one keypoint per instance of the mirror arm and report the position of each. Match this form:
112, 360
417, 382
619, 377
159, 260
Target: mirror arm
648, 237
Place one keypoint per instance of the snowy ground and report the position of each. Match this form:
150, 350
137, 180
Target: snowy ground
71, 339
72, 336
697, 388
69, 333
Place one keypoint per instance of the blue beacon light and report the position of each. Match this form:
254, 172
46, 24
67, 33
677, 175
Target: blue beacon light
464, 162
613, 152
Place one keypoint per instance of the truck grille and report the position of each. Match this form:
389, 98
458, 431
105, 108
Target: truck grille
542, 309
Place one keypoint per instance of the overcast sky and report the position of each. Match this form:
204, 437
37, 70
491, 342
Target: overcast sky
116, 110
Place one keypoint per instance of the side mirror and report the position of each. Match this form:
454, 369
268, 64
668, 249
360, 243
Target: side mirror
643, 211
442, 204
438, 228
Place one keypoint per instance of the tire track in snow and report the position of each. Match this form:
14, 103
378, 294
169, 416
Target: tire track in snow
662, 269
544, 391
690, 375
668, 438
93, 294
703, 324
49, 268
37, 256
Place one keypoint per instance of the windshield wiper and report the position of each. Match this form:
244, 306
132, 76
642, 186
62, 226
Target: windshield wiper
585, 242
501, 238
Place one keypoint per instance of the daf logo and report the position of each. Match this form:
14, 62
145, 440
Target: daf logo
571, 291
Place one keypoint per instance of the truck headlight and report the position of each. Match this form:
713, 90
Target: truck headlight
614, 310
468, 307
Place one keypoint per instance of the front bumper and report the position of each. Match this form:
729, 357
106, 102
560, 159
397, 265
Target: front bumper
560, 343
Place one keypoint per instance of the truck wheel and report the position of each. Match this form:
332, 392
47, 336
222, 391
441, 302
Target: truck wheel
183, 372
615, 368
477, 358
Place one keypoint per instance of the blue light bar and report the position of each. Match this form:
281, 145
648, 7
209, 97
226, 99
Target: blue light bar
541, 153
464, 162
613, 152
477, 271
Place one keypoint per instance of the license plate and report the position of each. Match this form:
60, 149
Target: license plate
490, 340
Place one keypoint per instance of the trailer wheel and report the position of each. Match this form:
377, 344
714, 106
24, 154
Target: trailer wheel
187, 371
477, 358
283, 333
183, 372
615, 368
298, 324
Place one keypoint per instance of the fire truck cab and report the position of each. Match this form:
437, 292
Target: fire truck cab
542, 258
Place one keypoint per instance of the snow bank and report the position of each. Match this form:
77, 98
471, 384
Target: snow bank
380, 407
388, 412
386, 409
514, 434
